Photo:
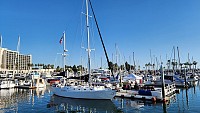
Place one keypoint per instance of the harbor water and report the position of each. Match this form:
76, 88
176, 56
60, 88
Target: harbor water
43, 101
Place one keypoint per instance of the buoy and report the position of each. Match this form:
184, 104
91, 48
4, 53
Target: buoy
153, 99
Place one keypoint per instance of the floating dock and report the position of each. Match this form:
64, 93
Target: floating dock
26, 87
154, 95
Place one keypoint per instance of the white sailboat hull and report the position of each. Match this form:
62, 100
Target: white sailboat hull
84, 92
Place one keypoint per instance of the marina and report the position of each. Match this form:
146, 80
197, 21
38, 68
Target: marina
96, 66
43, 100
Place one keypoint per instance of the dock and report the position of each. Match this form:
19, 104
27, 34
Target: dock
147, 94
26, 87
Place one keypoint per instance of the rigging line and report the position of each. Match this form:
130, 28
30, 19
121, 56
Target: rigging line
93, 41
83, 29
109, 64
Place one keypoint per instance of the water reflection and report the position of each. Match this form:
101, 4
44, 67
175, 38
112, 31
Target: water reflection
137, 106
12, 100
6, 98
61, 104
40, 91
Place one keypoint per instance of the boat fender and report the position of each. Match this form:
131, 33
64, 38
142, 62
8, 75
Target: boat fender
153, 99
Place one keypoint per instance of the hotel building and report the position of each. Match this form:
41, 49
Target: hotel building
13, 61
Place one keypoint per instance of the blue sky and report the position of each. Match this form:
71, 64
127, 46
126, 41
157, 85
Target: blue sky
134, 25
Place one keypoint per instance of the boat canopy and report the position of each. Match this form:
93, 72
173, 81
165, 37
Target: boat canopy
132, 77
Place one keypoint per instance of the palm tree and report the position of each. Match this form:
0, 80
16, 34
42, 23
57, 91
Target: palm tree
52, 66
36, 65
58, 69
186, 64
29, 65
195, 64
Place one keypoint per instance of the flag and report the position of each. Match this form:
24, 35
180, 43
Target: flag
61, 39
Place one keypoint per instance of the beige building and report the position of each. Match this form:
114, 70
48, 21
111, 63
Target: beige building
12, 60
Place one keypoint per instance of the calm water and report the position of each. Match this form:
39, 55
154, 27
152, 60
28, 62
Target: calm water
42, 101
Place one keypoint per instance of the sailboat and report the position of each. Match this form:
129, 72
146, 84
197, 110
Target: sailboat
83, 91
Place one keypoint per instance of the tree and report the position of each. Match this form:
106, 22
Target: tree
74, 68
58, 69
122, 67
127, 66
132, 67
186, 64
115, 67
30, 66
195, 64
36, 65
48, 66
110, 66
174, 64
52, 66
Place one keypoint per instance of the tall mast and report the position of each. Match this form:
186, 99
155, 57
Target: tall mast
174, 58
101, 63
150, 58
116, 57
88, 39
134, 61
179, 60
18, 46
64, 51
